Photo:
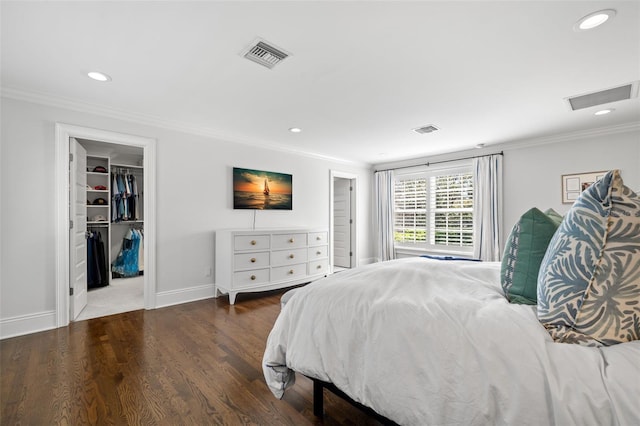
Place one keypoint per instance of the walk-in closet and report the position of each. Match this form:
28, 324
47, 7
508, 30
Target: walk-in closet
114, 228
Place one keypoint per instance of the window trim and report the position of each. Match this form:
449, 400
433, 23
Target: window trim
408, 248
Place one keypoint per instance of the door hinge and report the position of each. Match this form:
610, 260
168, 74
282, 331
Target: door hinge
70, 291
70, 224
70, 157
351, 188
350, 253
350, 220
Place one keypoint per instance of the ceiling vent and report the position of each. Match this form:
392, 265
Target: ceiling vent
265, 54
426, 129
615, 94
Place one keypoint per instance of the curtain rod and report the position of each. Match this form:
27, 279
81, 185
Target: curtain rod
442, 161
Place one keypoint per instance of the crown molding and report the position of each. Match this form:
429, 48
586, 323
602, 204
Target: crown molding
154, 121
568, 136
511, 145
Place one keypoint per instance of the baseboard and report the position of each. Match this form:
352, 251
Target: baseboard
184, 295
27, 324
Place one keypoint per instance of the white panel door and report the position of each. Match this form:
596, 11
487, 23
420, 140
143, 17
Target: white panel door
78, 233
342, 222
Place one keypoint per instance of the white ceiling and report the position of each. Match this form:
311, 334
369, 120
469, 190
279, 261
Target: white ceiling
360, 77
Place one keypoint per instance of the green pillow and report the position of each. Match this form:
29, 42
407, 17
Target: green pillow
524, 250
554, 215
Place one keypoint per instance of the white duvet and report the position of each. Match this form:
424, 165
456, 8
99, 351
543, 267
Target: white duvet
431, 342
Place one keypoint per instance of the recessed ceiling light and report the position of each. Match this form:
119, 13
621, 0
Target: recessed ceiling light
594, 19
604, 111
98, 76
295, 130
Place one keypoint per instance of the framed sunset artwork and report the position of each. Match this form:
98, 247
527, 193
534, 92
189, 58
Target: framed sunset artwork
262, 190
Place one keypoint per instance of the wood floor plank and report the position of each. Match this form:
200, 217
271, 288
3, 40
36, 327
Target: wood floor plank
196, 363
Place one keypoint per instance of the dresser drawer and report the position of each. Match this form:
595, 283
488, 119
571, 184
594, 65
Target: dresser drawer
289, 272
250, 278
319, 252
250, 260
282, 241
250, 242
319, 267
288, 257
317, 238
267, 259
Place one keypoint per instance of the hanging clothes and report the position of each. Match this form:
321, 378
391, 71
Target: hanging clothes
125, 197
115, 199
131, 198
136, 196
126, 264
141, 252
96, 261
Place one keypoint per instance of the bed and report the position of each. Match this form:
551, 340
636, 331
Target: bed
432, 342
548, 336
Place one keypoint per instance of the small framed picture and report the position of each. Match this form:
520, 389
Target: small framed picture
574, 184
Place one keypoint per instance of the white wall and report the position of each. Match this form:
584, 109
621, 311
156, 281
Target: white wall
193, 199
532, 175
533, 169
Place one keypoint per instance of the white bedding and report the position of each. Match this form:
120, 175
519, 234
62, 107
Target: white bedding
435, 342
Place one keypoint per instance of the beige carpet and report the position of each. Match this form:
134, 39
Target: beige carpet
122, 295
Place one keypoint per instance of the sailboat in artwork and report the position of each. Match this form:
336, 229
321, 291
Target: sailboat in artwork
266, 188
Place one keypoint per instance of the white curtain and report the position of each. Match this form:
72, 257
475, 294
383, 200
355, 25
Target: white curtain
384, 190
487, 206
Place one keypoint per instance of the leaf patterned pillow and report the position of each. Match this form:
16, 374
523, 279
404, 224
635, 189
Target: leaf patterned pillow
589, 279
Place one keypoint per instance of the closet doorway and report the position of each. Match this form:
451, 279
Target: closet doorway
110, 204
343, 226
115, 228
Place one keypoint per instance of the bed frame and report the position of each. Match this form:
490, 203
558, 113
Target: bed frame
318, 401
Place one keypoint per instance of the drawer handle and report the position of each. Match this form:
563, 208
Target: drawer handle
318, 253
318, 238
319, 266
291, 256
253, 260
253, 242
253, 277
291, 272
291, 240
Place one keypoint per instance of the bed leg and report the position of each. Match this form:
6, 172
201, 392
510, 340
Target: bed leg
318, 401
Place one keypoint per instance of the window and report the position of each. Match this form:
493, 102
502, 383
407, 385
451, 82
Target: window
434, 210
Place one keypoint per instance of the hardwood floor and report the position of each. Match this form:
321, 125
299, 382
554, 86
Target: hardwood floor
197, 363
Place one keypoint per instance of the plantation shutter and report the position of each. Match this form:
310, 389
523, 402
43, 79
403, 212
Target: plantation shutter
410, 210
452, 210
434, 210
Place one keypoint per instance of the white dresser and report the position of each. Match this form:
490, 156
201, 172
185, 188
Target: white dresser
267, 259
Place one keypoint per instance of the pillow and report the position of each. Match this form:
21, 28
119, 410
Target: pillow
524, 249
554, 215
589, 281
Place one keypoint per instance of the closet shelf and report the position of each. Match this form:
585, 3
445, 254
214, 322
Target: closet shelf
100, 187
126, 166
